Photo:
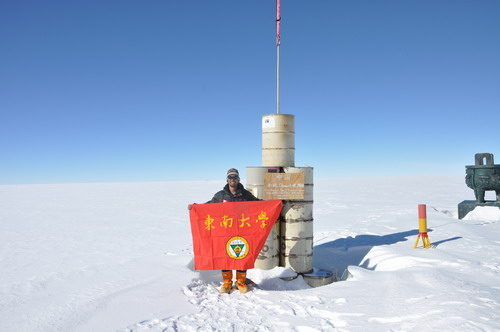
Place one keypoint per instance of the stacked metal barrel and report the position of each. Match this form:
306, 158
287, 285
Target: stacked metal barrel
290, 243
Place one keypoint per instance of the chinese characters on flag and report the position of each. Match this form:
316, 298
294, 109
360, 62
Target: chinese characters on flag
229, 236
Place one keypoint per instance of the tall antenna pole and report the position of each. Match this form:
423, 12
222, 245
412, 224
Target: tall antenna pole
278, 21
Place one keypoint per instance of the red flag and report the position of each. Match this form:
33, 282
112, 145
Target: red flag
230, 236
278, 22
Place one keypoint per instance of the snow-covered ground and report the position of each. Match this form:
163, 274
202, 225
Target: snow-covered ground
107, 257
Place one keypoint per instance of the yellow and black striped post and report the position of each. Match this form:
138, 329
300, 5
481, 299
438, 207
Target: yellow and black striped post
422, 227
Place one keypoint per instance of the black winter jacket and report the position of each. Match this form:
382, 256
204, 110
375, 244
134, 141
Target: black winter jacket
225, 195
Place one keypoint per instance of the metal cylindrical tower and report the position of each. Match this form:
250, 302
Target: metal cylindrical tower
290, 243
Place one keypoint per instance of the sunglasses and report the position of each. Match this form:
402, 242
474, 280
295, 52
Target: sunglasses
233, 177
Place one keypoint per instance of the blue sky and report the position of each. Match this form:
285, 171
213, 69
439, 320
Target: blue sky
161, 90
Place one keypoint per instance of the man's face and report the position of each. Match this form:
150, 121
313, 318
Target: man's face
233, 180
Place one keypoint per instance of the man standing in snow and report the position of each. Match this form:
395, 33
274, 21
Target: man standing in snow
233, 192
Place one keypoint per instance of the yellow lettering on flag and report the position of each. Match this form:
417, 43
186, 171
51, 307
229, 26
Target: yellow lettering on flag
262, 218
208, 223
226, 222
244, 221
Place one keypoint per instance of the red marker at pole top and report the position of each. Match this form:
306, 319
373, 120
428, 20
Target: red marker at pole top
422, 211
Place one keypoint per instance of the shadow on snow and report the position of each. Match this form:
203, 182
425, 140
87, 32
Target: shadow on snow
340, 253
